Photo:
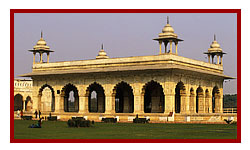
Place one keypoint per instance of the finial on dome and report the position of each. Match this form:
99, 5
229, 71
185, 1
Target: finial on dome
102, 54
214, 37
41, 33
167, 19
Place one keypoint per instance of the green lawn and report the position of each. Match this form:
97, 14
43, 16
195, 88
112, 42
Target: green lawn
60, 130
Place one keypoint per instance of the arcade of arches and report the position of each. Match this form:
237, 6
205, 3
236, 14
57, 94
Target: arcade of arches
152, 98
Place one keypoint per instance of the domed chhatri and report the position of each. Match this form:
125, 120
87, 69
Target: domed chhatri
41, 47
168, 31
102, 54
215, 50
215, 46
168, 36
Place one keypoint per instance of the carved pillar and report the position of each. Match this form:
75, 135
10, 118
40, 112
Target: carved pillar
218, 103
34, 57
24, 106
110, 103
138, 101
47, 57
176, 45
169, 103
192, 103
82, 104
218, 59
160, 43
35, 102
208, 106
171, 46
183, 102
201, 99
39, 101
221, 60
57, 102
41, 57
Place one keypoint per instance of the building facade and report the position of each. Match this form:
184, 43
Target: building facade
163, 87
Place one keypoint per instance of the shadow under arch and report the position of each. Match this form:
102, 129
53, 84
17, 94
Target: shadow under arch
18, 102
124, 98
71, 98
154, 97
179, 91
215, 98
52, 107
96, 98
28, 103
199, 95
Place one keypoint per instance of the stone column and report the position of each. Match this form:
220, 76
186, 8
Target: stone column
160, 43
138, 102
41, 57
192, 103
57, 101
171, 45
110, 103
34, 58
221, 60
201, 99
39, 102
187, 104
218, 59
176, 45
210, 103
207, 104
218, 103
83, 104
35, 102
169, 103
212, 59
24, 105
47, 57
165, 44
183, 103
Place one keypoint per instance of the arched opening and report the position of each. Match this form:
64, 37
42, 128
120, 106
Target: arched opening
215, 97
96, 98
207, 107
153, 98
124, 98
28, 104
47, 98
71, 98
199, 95
192, 100
18, 102
179, 91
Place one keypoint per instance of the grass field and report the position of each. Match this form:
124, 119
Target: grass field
60, 130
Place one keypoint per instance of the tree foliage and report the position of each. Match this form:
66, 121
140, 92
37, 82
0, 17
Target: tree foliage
230, 101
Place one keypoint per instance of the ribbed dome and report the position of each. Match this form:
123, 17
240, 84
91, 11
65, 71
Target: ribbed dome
215, 46
41, 44
168, 29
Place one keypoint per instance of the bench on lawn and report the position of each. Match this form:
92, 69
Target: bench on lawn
52, 118
109, 120
27, 117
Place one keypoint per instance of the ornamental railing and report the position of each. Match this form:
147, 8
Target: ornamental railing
230, 110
